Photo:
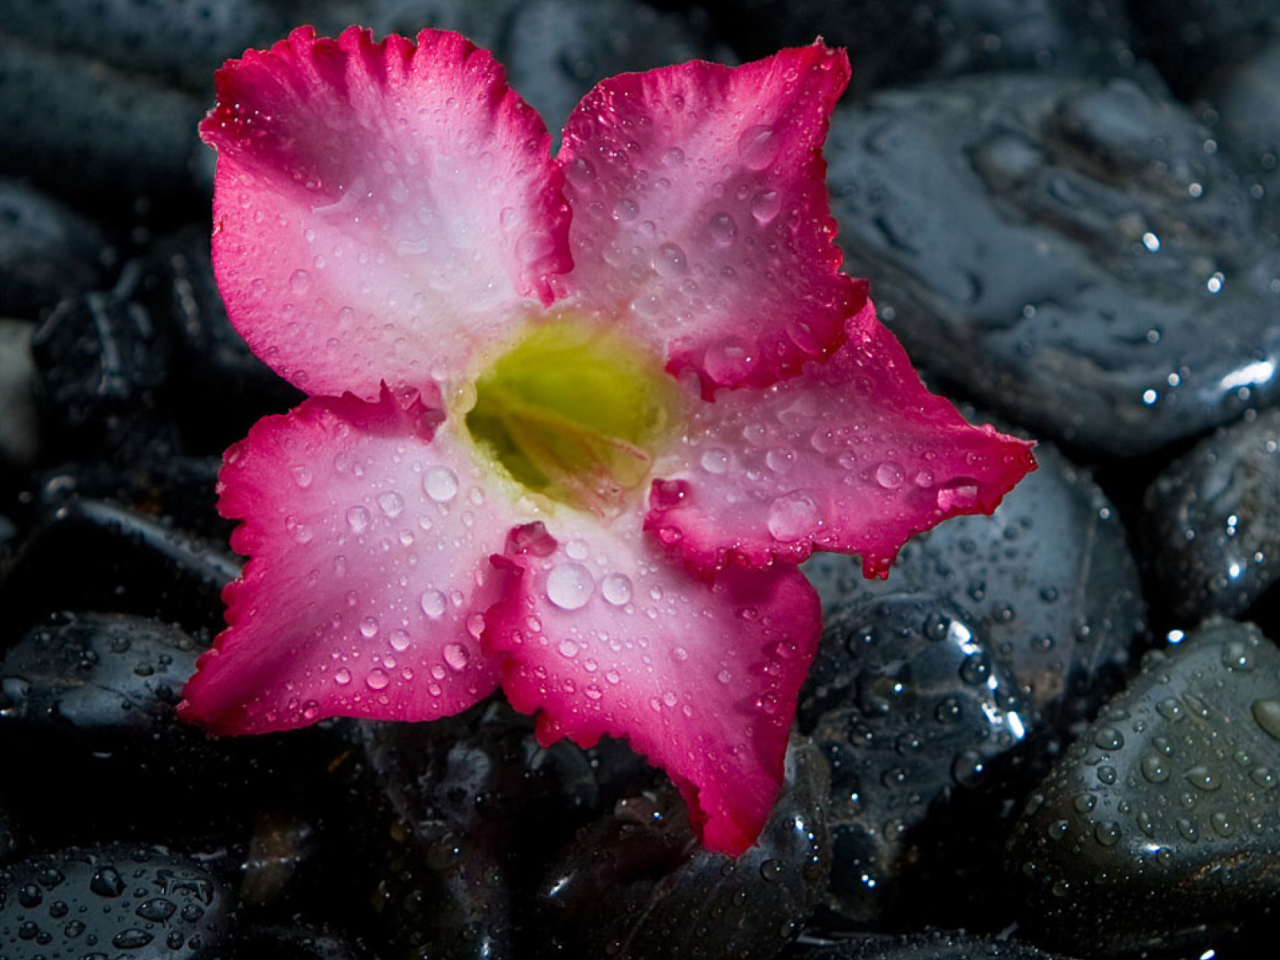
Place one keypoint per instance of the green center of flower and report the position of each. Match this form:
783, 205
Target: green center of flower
575, 414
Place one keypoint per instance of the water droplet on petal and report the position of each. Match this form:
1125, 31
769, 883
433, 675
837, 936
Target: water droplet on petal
342, 676
669, 260
440, 484
456, 656
358, 520
714, 461
400, 641
793, 516
368, 628
377, 679
569, 586
758, 146
391, 503
300, 282
433, 604
616, 589
889, 475
723, 229
765, 206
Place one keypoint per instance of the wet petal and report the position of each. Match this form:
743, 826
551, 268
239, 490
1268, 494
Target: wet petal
852, 456
379, 208
700, 213
368, 573
605, 635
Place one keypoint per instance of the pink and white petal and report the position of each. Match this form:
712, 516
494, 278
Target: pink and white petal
379, 208
606, 635
701, 217
368, 572
852, 456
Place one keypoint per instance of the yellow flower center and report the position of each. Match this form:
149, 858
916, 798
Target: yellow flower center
575, 413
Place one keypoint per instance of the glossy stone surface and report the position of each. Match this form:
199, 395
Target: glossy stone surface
1074, 252
635, 884
1048, 581
911, 710
1211, 523
1159, 829
113, 901
929, 946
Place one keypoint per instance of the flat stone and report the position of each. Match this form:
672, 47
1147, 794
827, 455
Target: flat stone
1072, 253
1159, 828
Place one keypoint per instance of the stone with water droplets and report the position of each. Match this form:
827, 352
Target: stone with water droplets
911, 711
666, 896
935, 945
1029, 237
1211, 523
1048, 580
113, 901
1158, 828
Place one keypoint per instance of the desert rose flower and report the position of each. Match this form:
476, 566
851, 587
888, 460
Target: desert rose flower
573, 420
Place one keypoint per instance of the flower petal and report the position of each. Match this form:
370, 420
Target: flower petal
368, 575
853, 456
605, 635
379, 207
700, 213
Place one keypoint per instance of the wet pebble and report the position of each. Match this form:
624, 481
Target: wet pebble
939, 37
1076, 253
94, 135
559, 49
113, 901
635, 885
936, 945
1159, 828
48, 252
19, 427
912, 712
1211, 523
1048, 581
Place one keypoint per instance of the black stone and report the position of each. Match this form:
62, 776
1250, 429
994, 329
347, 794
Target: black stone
182, 41
635, 884
1211, 523
1159, 829
558, 49
1191, 39
891, 44
113, 901
936, 945
296, 940
222, 387
912, 711
48, 252
19, 427
1074, 253
88, 133
1048, 581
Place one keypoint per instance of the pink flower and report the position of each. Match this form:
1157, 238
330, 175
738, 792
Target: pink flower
573, 421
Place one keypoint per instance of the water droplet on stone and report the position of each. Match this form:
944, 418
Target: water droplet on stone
1154, 769
440, 484
107, 882
1203, 778
1266, 713
1108, 738
569, 586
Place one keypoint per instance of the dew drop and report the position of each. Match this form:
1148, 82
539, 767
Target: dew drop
300, 282
368, 628
358, 520
669, 260
758, 146
723, 229
569, 586
765, 206
625, 210
1266, 713
440, 484
433, 604
302, 476
568, 648
391, 503
342, 676
1108, 738
793, 516
1202, 778
456, 656
377, 679
616, 589
715, 461
400, 641
889, 475
1154, 770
